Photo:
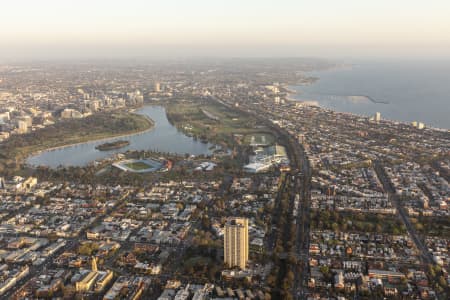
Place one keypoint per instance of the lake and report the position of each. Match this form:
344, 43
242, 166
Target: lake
163, 137
413, 91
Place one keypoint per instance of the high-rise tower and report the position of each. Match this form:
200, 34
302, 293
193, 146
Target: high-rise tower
236, 243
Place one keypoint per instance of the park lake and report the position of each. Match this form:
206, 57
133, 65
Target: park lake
163, 137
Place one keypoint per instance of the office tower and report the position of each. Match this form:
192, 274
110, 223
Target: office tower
236, 243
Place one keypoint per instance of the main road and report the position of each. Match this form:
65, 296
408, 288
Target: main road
301, 173
393, 197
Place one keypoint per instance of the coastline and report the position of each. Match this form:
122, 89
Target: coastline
413, 92
152, 126
316, 103
292, 91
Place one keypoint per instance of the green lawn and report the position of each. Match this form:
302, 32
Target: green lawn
221, 130
137, 166
197, 260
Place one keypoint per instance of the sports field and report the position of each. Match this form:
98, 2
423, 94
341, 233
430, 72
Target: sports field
138, 165
259, 139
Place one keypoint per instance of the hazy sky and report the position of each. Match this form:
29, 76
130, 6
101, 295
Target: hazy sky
145, 28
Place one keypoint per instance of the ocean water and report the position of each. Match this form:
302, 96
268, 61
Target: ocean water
404, 91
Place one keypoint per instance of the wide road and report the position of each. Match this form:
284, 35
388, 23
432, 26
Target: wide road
301, 190
301, 186
393, 197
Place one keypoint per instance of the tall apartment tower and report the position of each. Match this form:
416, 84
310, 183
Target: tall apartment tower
377, 117
236, 243
157, 87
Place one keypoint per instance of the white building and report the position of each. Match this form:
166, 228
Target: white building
22, 127
377, 117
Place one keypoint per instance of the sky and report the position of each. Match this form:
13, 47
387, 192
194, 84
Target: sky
45, 29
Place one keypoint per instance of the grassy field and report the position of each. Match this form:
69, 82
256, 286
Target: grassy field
139, 165
225, 127
356, 222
